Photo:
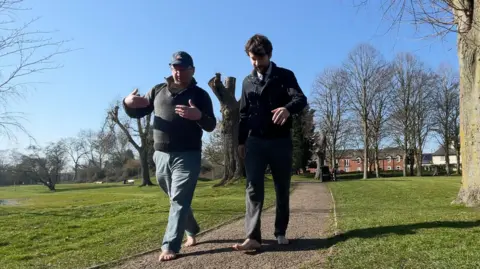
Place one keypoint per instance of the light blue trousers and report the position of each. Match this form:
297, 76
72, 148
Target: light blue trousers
177, 174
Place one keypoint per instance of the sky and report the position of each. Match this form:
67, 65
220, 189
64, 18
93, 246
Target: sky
121, 45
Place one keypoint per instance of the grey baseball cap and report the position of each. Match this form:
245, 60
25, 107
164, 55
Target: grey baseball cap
182, 58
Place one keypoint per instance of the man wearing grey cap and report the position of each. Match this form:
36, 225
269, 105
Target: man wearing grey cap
182, 111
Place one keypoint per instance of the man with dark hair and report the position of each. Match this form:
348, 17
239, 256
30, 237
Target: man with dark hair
270, 94
182, 110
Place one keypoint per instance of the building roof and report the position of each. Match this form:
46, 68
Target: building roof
441, 152
427, 158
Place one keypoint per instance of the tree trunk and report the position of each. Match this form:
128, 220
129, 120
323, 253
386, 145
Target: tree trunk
240, 166
47, 182
405, 162
377, 172
318, 173
234, 165
321, 152
333, 163
145, 170
469, 59
418, 159
75, 171
459, 166
447, 160
230, 152
51, 187
365, 150
411, 162
143, 150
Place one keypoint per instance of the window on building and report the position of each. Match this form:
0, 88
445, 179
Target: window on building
347, 162
359, 169
389, 159
399, 158
389, 168
398, 168
359, 160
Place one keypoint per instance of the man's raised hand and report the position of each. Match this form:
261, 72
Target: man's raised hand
134, 100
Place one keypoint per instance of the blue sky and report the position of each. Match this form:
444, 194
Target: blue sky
127, 44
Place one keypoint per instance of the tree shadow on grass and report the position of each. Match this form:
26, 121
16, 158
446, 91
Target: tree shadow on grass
303, 244
93, 187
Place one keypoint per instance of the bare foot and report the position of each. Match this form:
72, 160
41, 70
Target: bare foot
167, 255
191, 241
249, 244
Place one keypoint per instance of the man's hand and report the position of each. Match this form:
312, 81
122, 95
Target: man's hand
280, 115
241, 151
188, 112
133, 100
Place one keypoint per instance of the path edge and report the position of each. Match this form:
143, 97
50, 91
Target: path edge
227, 222
330, 232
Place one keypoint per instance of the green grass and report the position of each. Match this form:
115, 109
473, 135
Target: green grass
404, 223
85, 224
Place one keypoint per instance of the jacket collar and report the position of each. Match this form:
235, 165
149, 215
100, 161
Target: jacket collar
272, 69
253, 77
272, 73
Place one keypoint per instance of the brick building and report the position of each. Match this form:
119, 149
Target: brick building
352, 160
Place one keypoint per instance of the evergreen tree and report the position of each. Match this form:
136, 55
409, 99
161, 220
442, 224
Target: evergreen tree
302, 135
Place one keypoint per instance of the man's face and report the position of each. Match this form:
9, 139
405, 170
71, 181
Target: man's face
182, 75
260, 63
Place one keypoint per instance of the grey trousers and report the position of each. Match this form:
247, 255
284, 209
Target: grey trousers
177, 174
278, 154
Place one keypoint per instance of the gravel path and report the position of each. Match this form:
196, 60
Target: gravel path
310, 214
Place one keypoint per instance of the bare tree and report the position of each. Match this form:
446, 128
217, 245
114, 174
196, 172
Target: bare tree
407, 80
463, 18
141, 130
234, 167
23, 52
76, 150
380, 111
120, 153
423, 112
97, 146
331, 108
43, 165
446, 104
364, 67
214, 150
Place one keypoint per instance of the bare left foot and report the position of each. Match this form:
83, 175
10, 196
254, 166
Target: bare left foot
191, 241
167, 255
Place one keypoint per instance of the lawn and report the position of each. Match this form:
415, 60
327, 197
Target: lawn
404, 223
86, 224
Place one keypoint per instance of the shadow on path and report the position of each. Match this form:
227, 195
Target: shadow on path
324, 243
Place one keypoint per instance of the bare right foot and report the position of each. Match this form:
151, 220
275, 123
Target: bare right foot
191, 241
167, 255
249, 244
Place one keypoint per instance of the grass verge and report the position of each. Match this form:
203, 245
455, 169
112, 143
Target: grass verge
86, 224
403, 223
